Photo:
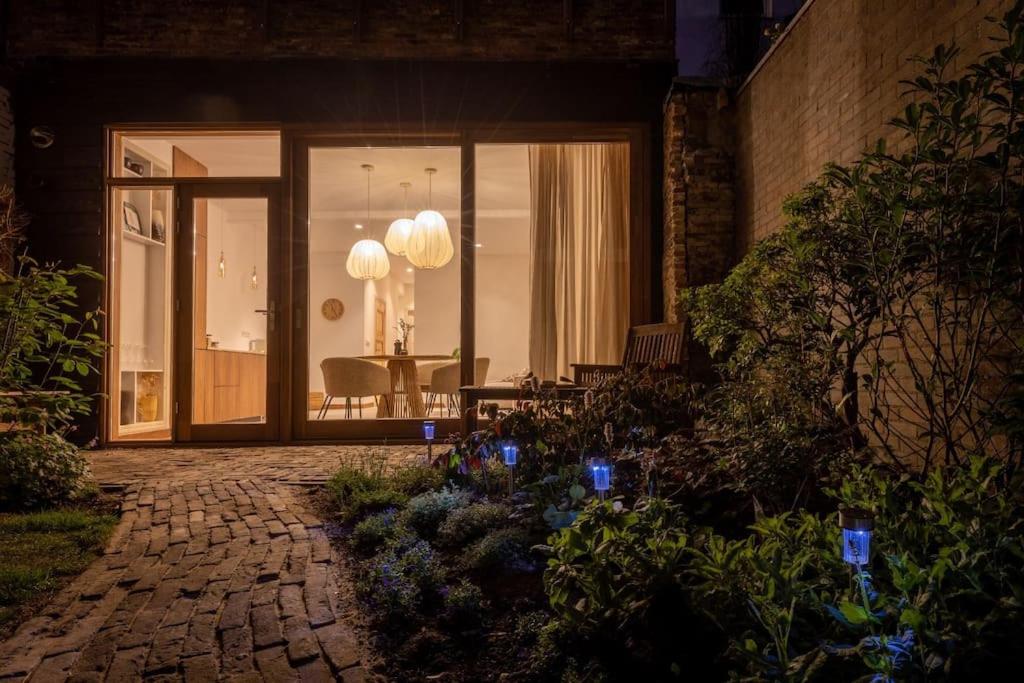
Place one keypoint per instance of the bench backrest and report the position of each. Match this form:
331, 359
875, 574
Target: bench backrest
646, 344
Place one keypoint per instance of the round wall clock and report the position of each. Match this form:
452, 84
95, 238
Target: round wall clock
332, 309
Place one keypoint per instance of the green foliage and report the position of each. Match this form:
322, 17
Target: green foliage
47, 347
426, 512
941, 600
399, 583
38, 550
466, 524
612, 564
39, 470
886, 309
505, 549
375, 530
463, 604
417, 479
768, 591
356, 492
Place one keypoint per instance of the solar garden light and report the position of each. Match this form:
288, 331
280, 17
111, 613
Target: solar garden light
602, 473
428, 434
857, 526
510, 454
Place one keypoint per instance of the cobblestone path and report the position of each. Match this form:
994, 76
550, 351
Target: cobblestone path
214, 579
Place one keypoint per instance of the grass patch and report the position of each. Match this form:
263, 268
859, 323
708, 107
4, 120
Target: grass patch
40, 551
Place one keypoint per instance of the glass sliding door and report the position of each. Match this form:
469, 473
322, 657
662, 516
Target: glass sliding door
383, 290
227, 324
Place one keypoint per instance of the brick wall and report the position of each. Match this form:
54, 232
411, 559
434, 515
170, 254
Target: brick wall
828, 89
372, 29
6, 138
699, 200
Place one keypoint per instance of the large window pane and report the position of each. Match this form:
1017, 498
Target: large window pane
552, 257
355, 318
141, 312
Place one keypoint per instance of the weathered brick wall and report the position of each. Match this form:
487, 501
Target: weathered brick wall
371, 29
699, 199
6, 138
829, 87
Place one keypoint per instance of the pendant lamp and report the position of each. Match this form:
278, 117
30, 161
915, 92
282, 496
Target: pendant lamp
430, 244
368, 260
397, 237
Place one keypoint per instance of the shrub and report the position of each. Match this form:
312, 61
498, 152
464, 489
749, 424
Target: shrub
418, 479
940, 600
617, 579
39, 470
463, 604
471, 522
375, 530
398, 582
507, 549
427, 511
357, 492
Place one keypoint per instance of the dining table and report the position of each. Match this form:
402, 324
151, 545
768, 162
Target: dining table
406, 398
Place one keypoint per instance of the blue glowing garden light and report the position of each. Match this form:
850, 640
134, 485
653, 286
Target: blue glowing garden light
602, 473
857, 526
510, 455
428, 434
510, 452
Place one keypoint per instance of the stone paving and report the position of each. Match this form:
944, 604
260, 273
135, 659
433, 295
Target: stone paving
214, 573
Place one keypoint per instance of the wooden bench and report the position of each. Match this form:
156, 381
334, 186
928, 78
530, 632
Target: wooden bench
660, 343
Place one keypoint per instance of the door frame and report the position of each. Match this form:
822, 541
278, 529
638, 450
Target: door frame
184, 428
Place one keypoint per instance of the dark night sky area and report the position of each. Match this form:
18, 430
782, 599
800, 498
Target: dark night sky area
697, 30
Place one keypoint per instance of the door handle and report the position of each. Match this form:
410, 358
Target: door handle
269, 312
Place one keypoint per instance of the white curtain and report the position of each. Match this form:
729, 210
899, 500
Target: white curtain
579, 255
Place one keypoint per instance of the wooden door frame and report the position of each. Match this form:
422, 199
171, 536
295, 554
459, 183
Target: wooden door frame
208, 188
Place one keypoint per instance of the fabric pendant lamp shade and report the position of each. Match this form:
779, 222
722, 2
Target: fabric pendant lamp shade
368, 261
430, 243
397, 237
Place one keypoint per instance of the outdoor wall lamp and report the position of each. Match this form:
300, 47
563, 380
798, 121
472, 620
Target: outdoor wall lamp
857, 526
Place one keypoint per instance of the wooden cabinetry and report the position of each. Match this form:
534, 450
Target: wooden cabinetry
229, 386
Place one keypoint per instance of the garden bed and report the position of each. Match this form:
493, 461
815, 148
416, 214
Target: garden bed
41, 552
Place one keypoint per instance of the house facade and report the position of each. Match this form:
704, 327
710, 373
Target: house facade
226, 165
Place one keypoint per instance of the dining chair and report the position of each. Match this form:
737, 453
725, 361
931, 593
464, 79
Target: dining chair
348, 377
446, 381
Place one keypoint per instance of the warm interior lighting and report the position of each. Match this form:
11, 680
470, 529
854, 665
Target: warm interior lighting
397, 237
368, 260
222, 268
430, 244
254, 282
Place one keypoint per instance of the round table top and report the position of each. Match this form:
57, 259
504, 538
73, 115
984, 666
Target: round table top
410, 356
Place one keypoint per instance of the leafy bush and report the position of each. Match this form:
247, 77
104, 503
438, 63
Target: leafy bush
39, 470
471, 522
398, 582
425, 513
941, 600
375, 530
506, 549
357, 492
418, 479
463, 604
46, 347
617, 579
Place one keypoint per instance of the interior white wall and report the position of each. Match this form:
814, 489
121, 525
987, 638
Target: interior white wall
231, 302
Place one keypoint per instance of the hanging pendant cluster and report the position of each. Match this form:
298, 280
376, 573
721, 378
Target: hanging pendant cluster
425, 241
